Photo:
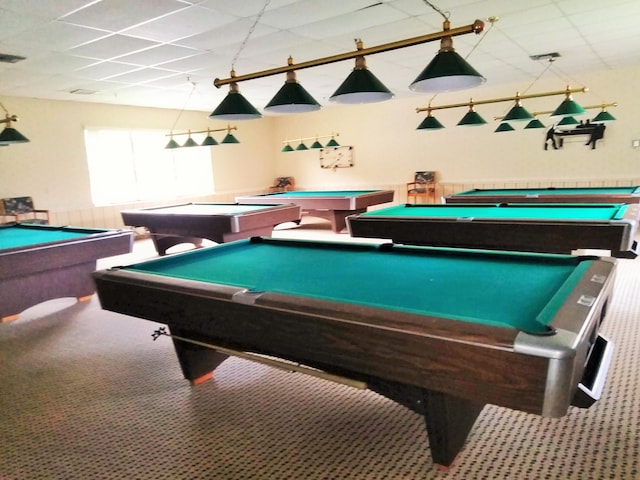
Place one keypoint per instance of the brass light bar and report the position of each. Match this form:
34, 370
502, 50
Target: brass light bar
225, 129
9, 119
476, 27
292, 140
566, 91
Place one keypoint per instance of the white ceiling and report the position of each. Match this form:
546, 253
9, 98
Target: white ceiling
166, 53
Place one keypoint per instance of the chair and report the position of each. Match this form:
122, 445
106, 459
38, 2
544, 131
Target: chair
22, 210
283, 184
422, 189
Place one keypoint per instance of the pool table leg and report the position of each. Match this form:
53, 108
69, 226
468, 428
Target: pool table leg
197, 362
448, 419
165, 242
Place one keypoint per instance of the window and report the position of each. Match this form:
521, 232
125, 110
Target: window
129, 166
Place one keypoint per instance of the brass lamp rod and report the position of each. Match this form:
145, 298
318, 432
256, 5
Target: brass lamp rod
476, 27
208, 130
293, 140
566, 91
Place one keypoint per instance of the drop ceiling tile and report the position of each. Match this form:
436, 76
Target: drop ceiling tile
111, 47
245, 8
141, 76
46, 9
101, 70
159, 54
116, 15
56, 36
182, 23
308, 12
15, 23
56, 63
227, 38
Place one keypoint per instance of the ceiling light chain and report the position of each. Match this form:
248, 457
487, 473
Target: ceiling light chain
445, 15
249, 33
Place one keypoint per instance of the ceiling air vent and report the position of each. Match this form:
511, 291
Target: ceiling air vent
7, 58
544, 56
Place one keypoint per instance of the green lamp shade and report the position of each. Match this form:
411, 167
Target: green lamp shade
190, 143
11, 135
568, 121
603, 116
471, 119
302, 146
517, 113
209, 141
568, 108
287, 148
535, 123
504, 127
361, 86
228, 138
332, 143
430, 123
447, 72
292, 98
172, 144
316, 144
235, 107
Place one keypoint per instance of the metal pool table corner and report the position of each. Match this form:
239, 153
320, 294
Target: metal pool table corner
398, 333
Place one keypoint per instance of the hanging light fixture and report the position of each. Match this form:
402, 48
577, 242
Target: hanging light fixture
604, 116
316, 144
333, 142
172, 143
190, 142
504, 127
535, 123
430, 123
568, 107
292, 97
10, 135
448, 71
568, 121
235, 106
229, 138
209, 141
361, 86
471, 118
518, 112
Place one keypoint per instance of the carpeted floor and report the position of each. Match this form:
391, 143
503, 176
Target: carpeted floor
86, 394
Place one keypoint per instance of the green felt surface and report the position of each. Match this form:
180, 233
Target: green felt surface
554, 191
597, 212
322, 193
516, 290
21, 236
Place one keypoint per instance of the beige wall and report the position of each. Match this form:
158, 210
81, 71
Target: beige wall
387, 147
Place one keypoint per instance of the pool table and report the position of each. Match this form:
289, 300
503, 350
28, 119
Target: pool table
219, 222
550, 227
440, 331
334, 206
42, 262
547, 195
